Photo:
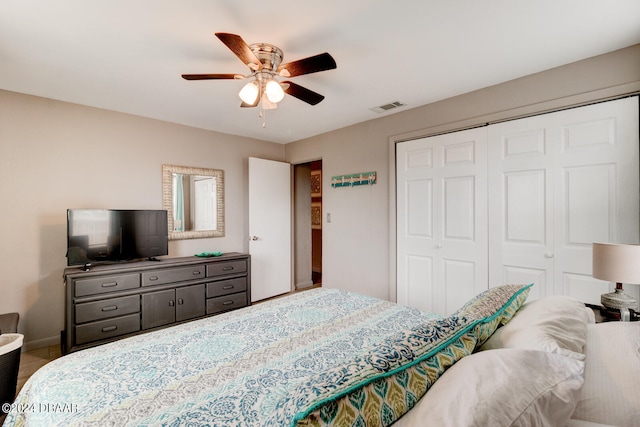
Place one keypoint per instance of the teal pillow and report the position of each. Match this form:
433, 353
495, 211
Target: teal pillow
493, 308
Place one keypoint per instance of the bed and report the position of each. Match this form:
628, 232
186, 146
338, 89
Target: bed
322, 357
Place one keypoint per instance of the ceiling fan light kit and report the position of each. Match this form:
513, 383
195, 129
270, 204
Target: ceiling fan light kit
274, 91
265, 65
249, 93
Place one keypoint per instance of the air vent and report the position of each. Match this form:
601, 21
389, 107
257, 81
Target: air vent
387, 107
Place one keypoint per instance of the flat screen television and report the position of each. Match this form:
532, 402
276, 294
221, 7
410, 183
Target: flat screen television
108, 235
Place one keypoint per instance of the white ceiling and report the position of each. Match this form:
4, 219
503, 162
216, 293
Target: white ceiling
128, 55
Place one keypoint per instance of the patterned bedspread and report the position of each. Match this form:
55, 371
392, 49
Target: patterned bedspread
317, 357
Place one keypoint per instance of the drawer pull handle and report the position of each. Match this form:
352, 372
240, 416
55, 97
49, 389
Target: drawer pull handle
196, 272
109, 328
227, 268
110, 308
226, 288
227, 303
153, 278
109, 284
180, 301
172, 303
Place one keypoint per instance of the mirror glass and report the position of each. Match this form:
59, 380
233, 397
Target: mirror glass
194, 201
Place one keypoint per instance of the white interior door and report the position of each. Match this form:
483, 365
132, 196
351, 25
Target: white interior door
269, 227
441, 220
559, 182
205, 200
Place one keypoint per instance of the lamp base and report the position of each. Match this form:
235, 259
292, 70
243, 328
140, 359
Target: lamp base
618, 300
609, 314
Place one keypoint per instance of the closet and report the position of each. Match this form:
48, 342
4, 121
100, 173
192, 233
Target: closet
516, 202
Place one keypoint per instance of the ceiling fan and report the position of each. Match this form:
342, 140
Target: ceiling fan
265, 62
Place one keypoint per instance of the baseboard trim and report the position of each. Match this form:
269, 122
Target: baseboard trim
45, 342
304, 285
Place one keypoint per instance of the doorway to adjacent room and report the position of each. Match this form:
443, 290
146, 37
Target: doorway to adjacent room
308, 224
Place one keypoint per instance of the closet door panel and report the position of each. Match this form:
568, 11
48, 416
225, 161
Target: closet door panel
441, 220
419, 274
597, 190
519, 275
461, 232
525, 203
415, 276
583, 287
419, 219
459, 208
520, 168
559, 182
460, 282
591, 187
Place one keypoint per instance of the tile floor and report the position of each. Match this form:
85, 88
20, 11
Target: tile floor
31, 361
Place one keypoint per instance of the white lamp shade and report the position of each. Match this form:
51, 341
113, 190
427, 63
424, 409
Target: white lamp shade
249, 93
619, 263
274, 91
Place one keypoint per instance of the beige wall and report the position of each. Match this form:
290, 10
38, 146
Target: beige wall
359, 243
55, 155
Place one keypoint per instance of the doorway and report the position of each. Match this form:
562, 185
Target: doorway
308, 224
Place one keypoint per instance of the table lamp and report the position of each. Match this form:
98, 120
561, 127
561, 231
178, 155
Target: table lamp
619, 263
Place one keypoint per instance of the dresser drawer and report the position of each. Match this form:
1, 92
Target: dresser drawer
226, 267
107, 328
225, 287
112, 307
228, 302
104, 284
171, 275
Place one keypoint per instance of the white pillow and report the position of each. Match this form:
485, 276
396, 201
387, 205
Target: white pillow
507, 387
555, 324
610, 394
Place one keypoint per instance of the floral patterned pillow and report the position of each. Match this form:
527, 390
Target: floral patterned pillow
493, 308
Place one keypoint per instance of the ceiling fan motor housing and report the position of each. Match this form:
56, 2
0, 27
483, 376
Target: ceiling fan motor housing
269, 55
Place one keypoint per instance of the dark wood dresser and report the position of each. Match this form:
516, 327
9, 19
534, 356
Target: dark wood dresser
114, 301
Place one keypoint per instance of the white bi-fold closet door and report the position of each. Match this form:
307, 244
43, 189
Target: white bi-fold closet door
560, 182
541, 190
441, 220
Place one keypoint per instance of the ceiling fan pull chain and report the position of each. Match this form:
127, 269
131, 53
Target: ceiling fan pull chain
262, 115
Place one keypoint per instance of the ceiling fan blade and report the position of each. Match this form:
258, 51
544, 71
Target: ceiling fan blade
312, 64
302, 93
241, 49
208, 76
